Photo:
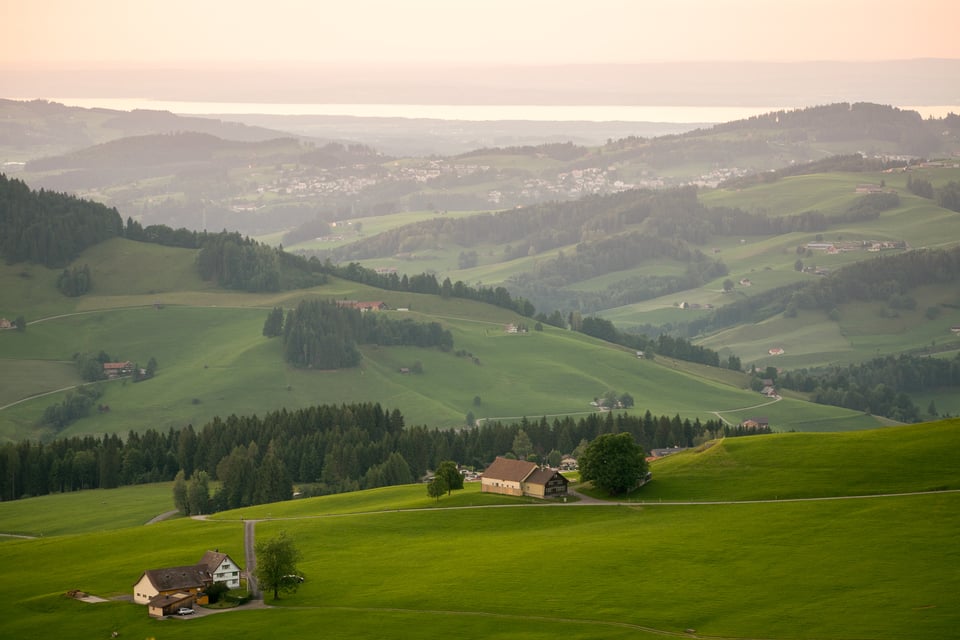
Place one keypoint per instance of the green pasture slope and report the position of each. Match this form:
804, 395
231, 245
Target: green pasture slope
213, 359
882, 568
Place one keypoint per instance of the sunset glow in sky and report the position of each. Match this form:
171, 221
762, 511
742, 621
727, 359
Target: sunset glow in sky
134, 33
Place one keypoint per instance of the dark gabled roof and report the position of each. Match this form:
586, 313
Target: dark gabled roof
178, 578
543, 476
510, 470
165, 601
211, 560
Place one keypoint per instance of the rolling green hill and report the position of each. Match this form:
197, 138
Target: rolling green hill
376, 564
213, 359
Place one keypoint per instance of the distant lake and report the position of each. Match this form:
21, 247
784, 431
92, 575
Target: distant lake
560, 113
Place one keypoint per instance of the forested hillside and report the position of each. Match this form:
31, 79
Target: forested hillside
50, 228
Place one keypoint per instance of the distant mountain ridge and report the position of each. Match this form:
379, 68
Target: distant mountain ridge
39, 124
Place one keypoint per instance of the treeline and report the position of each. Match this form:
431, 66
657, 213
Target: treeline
548, 281
75, 281
50, 228
427, 283
234, 261
533, 229
947, 196
850, 121
889, 279
245, 264
77, 404
556, 150
54, 228
664, 345
324, 449
849, 163
880, 386
324, 335
882, 278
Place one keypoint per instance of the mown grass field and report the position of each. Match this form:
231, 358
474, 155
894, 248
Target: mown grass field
376, 565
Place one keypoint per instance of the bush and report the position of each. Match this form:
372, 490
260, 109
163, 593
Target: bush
216, 590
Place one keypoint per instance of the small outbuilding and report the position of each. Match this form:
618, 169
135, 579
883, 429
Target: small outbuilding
167, 605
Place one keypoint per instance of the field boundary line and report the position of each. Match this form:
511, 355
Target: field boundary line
517, 616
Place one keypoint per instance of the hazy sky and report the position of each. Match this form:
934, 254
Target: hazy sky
171, 33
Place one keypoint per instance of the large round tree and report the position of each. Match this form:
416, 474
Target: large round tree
614, 462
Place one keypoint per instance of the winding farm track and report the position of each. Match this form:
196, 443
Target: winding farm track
756, 406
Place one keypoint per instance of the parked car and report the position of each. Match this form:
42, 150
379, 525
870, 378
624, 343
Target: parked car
184, 611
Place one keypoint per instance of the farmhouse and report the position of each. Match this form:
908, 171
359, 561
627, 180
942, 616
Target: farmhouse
363, 306
5, 324
117, 369
165, 590
522, 478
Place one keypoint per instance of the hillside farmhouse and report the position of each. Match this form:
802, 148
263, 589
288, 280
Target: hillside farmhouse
117, 369
166, 590
363, 306
522, 478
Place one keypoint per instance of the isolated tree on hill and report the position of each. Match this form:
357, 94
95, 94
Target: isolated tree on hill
436, 487
276, 562
180, 500
727, 285
614, 462
451, 475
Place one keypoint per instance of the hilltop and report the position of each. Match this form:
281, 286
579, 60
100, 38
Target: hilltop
278, 187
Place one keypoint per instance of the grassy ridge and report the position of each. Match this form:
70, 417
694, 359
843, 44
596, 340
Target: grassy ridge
86, 511
213, 360
881, 568
801, 465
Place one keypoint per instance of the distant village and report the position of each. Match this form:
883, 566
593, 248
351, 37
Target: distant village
347, 182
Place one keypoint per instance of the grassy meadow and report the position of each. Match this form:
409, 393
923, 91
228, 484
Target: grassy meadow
213, 359
377, 563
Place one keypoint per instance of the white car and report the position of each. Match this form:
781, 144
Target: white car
184, 611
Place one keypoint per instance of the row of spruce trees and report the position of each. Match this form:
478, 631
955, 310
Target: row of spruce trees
324, 449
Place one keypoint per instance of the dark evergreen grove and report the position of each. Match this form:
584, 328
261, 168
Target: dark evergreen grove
324, 335
50, 228
324, 449
880, 386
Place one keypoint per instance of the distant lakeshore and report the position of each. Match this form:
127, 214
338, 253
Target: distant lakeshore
542, 113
